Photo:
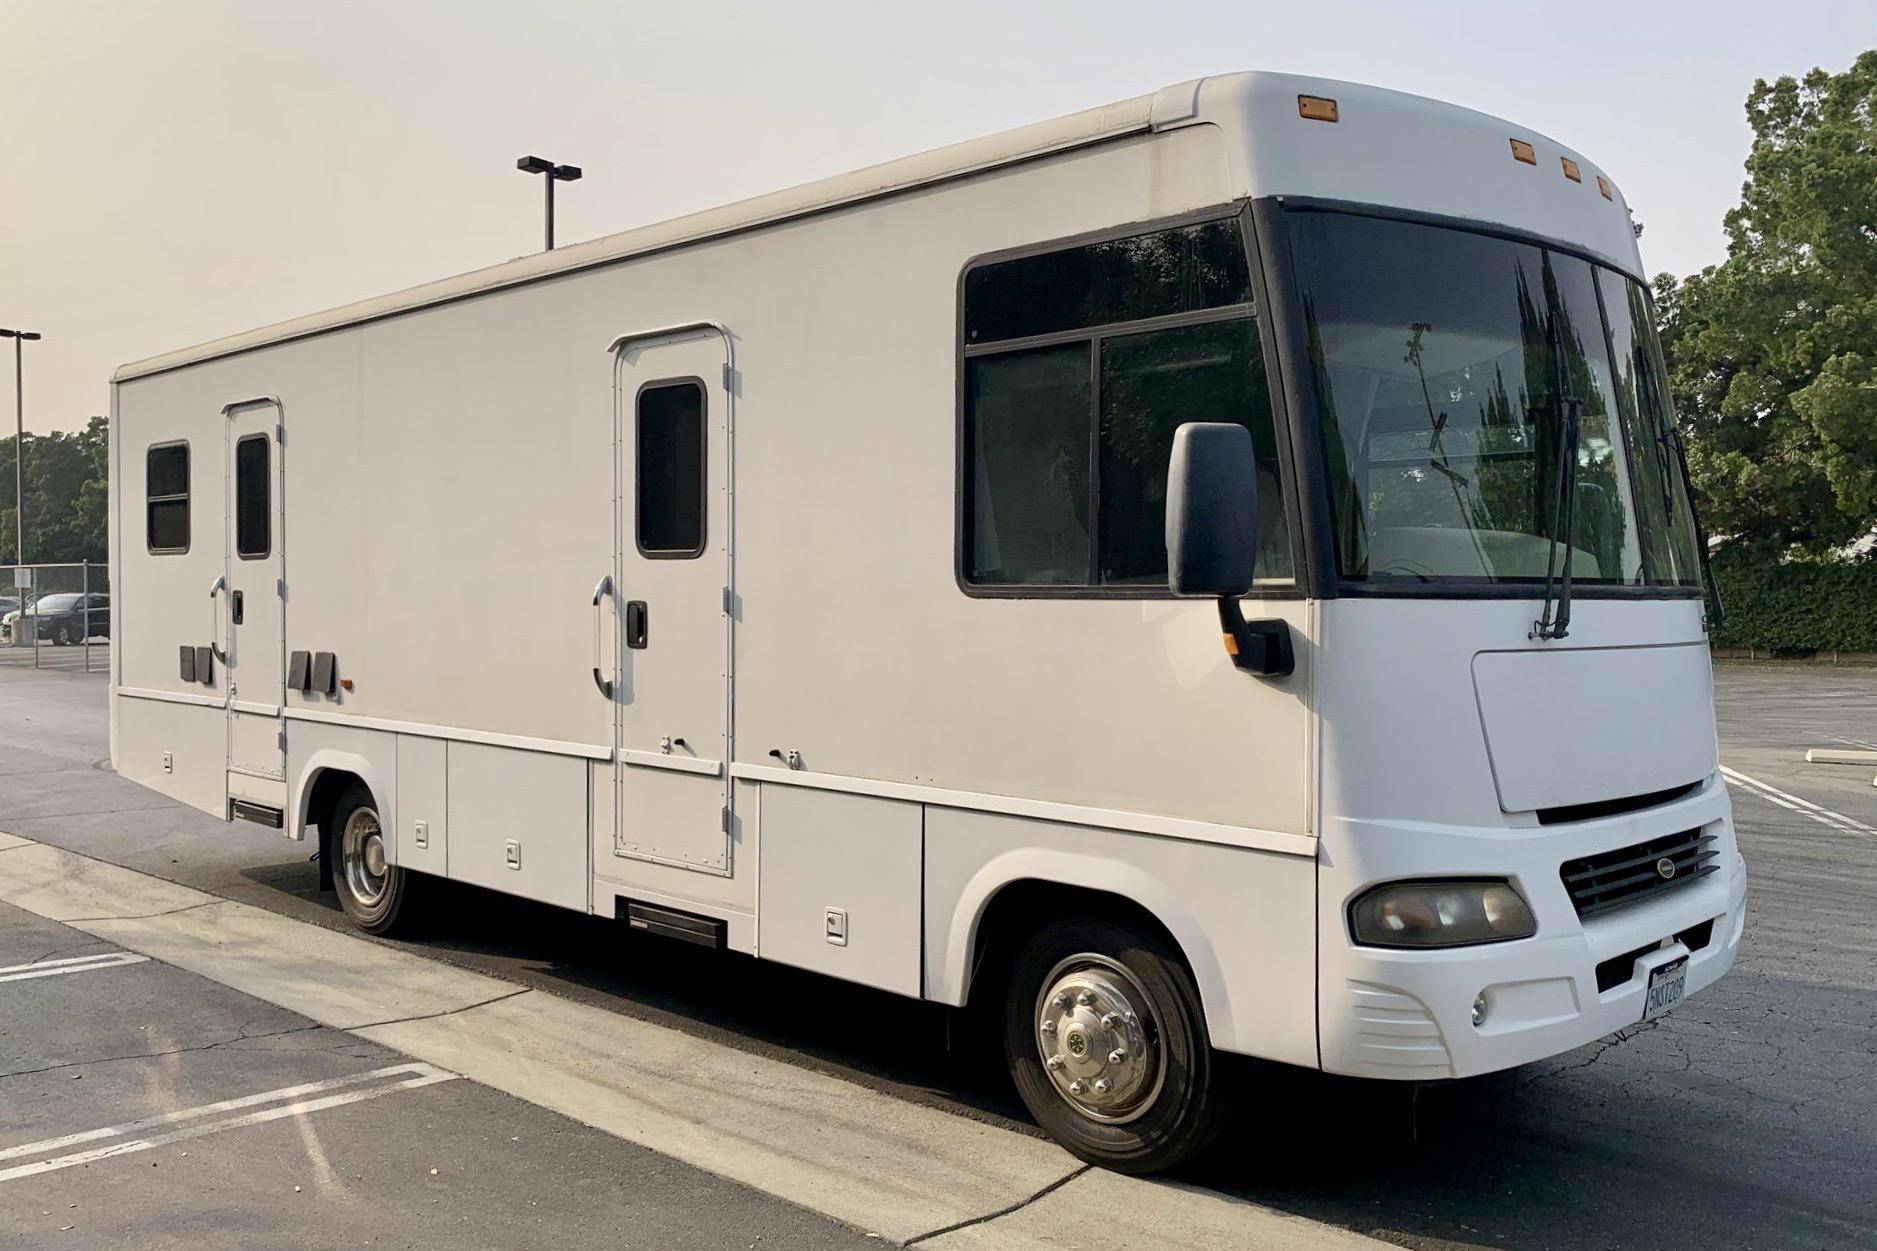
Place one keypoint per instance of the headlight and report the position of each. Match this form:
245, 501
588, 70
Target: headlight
1440, 914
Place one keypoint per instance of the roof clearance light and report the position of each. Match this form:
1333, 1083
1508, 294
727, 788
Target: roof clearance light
1522, 151
1316, 108
1570, 169
1603, 185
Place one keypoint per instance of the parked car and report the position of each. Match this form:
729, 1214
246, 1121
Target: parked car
63, 619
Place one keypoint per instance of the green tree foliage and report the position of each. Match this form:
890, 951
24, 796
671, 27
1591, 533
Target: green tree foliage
67, 495
1774, 350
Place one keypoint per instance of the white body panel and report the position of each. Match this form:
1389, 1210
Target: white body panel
822, 718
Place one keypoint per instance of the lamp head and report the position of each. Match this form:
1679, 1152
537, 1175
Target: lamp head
534, 165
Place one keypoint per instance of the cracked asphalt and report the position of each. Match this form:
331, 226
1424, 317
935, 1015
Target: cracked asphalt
1746, 1118
450, 1164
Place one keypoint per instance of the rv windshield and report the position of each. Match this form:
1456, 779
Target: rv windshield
1444, 362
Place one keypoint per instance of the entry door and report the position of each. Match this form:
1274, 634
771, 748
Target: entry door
672, 685
254, 606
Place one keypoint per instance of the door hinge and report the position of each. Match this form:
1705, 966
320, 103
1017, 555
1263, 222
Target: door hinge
280, 588
282, 742
729, 377
726, 818
729, 602
280, 435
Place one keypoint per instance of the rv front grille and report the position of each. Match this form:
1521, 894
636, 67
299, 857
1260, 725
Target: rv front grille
1628, 875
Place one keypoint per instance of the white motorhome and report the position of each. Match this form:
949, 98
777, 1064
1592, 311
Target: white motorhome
793, 577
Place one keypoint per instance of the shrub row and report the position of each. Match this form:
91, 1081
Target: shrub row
1796, 608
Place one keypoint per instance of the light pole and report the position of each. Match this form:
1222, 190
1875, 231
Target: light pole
555, 173
19, 337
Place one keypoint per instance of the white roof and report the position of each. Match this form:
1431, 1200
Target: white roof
1405, 150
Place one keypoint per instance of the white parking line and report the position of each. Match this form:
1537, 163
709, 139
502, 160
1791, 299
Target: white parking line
1804, 807
72, 964
352, 1089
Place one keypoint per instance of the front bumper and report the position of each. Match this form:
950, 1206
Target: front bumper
1408, 1014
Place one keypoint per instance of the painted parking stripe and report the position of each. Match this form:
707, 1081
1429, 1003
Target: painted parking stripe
72, 964
1804, 807
208, 1118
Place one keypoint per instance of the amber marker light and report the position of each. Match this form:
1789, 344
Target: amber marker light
1603, 185
1570, 169
1522, 151
1316, 108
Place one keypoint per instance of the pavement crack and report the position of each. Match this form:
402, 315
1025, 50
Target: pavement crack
988, 1217
241, 1036
144, 916
431, 1016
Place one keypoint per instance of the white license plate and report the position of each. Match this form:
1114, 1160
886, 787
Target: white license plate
1667, 985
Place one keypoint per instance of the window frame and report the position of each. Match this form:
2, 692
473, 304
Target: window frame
1256, 311
187, 496
1286, 322
703, 469
266, 481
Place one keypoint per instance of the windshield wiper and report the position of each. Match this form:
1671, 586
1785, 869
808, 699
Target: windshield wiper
1716, 613
1558, 590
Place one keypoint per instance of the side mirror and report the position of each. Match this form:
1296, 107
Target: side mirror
1212, 510
1212, 538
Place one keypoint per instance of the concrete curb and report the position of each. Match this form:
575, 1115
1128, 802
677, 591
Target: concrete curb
881, 1164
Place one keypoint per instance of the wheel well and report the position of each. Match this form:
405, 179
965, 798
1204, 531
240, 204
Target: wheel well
1020, 908
322, 799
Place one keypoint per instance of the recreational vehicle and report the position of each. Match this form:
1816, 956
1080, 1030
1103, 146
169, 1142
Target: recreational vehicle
1209, 574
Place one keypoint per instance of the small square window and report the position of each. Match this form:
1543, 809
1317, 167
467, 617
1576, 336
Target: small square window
166, 502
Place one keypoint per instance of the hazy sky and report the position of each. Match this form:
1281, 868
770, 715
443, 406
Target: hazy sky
172, 172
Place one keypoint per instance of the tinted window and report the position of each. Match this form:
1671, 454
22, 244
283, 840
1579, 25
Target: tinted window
670, 476
253, 498
1066, 446
166, 488
1185, 270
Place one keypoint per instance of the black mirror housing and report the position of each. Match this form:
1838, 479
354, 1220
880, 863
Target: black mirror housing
1212, 510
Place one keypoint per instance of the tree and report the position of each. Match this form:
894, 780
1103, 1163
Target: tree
1774, 351
67, 495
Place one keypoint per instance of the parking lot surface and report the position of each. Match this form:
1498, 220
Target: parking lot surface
1748, 1117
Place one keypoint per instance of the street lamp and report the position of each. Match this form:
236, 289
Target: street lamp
555, 173
19, 442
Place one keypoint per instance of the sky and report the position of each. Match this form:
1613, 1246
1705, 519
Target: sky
174, 171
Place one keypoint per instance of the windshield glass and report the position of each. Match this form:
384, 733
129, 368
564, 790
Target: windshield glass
1444, 363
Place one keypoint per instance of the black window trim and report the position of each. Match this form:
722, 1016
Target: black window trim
1298, 584
267, 478
149, 499
1286, 318
703, 469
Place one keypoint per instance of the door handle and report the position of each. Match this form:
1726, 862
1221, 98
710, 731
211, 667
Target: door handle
600, 592
638, 622
215, 620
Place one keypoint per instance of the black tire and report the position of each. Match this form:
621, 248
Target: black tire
379, 898
1178, 1109
62, 635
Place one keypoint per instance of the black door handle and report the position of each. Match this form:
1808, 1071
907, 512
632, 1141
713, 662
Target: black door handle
636, 624
236, 608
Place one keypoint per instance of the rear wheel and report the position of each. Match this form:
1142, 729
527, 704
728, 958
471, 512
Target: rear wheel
374, 893
1106, 1040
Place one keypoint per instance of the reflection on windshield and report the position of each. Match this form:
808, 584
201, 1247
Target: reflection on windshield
1444, 362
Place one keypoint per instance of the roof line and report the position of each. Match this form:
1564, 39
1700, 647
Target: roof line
1171, 106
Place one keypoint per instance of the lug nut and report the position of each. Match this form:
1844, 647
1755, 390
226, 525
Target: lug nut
1102, 1086
1053, 1062
1117, 1055
1109, 1020
1085, 997
1077, 1086
1061, 1000
1049, 1026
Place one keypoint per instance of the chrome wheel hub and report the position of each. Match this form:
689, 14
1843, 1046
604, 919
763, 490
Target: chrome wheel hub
362, 856
1098, 1039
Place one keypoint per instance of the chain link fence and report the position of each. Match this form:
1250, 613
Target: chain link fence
56, 617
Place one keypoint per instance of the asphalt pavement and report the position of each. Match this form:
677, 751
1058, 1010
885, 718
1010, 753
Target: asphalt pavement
1746, 1118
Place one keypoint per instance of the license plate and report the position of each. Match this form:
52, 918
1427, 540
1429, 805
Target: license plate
1667, 985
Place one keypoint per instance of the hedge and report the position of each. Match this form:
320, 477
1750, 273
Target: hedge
1798, 607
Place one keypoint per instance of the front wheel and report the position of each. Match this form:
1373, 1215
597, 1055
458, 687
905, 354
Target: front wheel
375, 894
1106, 1040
